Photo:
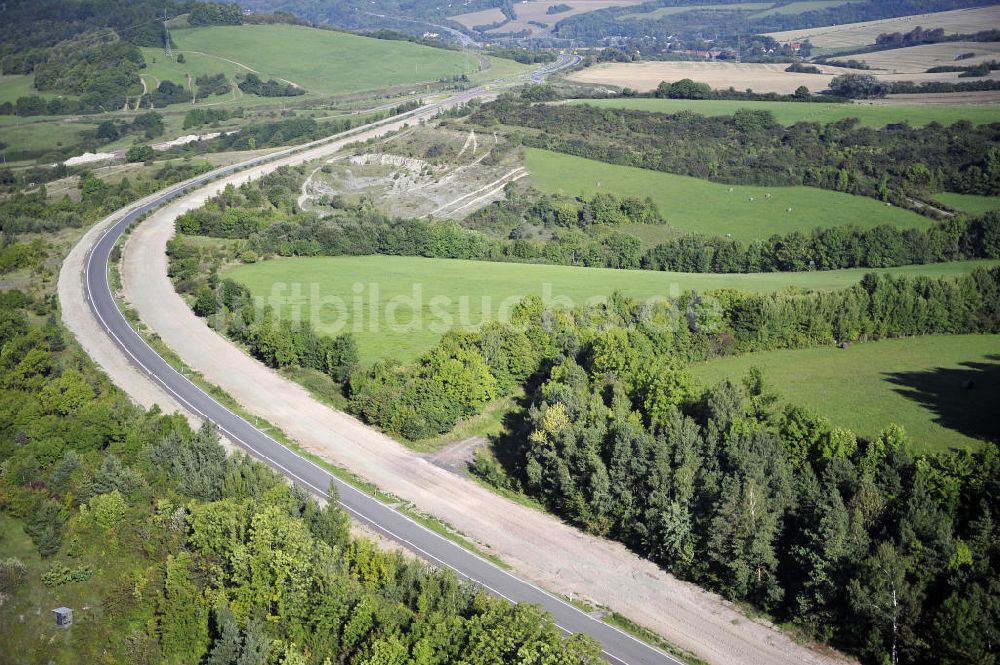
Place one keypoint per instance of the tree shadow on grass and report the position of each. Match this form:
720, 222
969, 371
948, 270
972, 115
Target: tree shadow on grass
965, 399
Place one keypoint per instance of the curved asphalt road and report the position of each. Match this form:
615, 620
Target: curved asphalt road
619, 647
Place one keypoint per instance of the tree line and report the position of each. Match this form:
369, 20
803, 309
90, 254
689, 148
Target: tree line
253, 85
567, 231
188, 555
889, 164
832, 248
466, 370
275, 342
34, 212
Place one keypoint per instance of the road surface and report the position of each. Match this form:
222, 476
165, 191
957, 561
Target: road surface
618, 647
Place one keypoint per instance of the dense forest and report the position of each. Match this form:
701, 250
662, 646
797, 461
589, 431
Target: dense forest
857, 542
89, 49
170, 551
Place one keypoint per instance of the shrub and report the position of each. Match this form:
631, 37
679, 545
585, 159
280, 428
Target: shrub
12, 574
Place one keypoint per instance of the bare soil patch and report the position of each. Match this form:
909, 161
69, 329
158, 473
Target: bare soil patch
457, 456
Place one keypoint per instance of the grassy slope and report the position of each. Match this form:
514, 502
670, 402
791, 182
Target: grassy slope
788, 113
970, 203
334, 278
13, 86
700, 206
670, 11
321, 61
915, 382
802, 6
37, 134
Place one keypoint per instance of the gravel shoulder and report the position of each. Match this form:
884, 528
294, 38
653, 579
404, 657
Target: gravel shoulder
78, 318
538, 546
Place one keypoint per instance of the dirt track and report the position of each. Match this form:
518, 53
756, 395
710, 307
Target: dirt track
538, 546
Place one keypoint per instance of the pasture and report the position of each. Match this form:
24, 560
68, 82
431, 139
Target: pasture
969, 203
13, 86
789, 113
37, 134
662, 12
802, 6
699, 206
851, 35
323, 62
759, 77
915, 382
399, 306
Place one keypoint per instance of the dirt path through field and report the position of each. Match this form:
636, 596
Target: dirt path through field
219, 57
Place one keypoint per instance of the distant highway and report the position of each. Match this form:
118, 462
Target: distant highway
618, 647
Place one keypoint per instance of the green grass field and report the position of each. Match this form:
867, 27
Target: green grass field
670, 11
323, 290
802, 6
13, 86
323, 62
700, 206
970, 203
915, 382
34, 134
789, 113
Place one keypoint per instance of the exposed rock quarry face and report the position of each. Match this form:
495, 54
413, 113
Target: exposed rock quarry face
384, 159
468, 172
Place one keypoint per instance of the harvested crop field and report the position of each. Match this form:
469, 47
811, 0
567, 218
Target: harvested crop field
645, 76
917, 59
483, 17
960, 21
530, 14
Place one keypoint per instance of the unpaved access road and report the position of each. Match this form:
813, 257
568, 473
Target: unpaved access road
540, 549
